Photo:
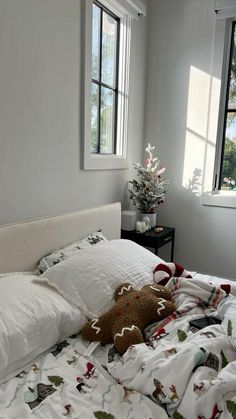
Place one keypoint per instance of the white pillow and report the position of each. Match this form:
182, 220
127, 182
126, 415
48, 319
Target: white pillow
62, 254
90, 278
33, 317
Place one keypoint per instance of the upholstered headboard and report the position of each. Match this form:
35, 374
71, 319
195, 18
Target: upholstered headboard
23, 244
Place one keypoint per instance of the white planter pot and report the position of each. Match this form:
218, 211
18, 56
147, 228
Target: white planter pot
152, 218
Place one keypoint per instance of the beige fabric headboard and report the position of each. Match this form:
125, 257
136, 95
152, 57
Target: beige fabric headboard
22, 245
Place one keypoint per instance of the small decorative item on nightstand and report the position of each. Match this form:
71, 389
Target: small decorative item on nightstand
140, 227
158, 229
147, 222
148, 193
128, 220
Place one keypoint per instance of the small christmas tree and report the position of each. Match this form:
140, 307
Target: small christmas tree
56, 380
149, 192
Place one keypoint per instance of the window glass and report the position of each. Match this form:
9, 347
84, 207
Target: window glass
96, 42
109, 43
105, 41
232, 71
94, 118
107, 121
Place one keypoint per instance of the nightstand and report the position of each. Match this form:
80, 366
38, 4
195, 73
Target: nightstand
152, 239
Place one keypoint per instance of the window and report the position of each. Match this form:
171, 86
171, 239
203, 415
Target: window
107, 28
104, 91
219, 180
225, 170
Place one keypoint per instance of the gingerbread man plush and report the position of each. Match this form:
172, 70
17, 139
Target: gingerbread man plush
134, 310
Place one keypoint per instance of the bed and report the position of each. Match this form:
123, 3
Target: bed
57, 272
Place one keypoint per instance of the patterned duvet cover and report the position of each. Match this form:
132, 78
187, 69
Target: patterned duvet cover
182, 371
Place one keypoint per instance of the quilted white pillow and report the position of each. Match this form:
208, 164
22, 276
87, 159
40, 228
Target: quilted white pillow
33, 317
89, 278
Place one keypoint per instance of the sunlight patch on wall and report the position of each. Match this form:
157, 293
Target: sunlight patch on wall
198, 99
201, 128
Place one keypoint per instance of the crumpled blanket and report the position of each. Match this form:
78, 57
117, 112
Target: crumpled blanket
191, 374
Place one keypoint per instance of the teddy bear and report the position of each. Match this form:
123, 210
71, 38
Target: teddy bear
134, 310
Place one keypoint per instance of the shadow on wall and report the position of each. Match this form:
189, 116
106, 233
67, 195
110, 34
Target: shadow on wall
195, 184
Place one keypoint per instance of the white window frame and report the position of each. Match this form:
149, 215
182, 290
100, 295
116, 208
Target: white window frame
118, 160
212, 195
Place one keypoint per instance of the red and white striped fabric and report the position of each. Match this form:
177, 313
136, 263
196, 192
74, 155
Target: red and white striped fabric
164, 271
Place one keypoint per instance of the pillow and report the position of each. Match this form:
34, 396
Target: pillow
89, 278
68, 251
33, 317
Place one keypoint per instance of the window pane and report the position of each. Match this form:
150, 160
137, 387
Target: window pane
109, 37
107, 121
228, 178
232, 81
94, 119
96, 42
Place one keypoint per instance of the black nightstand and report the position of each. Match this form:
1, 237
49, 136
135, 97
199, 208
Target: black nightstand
152, 239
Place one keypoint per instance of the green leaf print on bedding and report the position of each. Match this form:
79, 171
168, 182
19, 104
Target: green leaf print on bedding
103, 415
224, 360
231, 406
56, 380
177, 415
229, 328
181, 335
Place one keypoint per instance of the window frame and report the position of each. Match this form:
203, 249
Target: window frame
223, 108
213, 195
118, 160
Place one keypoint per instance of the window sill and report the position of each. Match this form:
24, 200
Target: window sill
99, 162
221, 199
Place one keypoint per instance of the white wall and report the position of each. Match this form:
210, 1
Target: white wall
40, 119
179, 63
40, 112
